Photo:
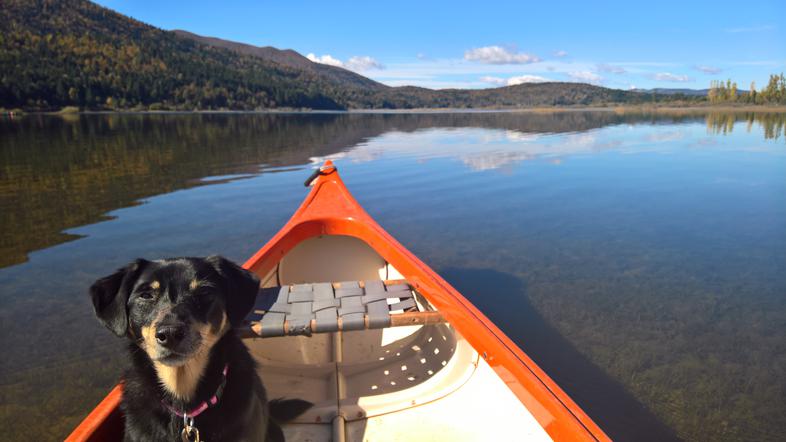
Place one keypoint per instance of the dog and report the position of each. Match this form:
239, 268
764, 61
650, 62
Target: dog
191, 377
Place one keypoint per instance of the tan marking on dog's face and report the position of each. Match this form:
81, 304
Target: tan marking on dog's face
148, 342
148, 336
181, 381
194, 284
155, 285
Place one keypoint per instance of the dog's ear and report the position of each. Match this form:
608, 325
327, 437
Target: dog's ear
242, 287
110, 296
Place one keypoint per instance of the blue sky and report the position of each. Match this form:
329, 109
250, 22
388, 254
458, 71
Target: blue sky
674, 44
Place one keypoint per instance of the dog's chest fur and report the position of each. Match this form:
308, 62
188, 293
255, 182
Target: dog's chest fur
240, 415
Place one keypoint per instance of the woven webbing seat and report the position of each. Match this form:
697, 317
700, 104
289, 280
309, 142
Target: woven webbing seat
302, 309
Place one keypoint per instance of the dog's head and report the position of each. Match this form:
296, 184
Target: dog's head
174, 308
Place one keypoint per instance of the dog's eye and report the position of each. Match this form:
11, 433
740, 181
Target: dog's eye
146, 295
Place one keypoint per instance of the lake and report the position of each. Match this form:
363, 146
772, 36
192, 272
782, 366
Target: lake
638, 257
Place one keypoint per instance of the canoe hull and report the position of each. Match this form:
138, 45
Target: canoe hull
330, 210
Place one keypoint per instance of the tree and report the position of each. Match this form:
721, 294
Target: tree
782, 89
712, 95
752, 93
770, 92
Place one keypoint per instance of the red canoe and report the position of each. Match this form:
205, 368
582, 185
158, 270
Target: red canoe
406, 358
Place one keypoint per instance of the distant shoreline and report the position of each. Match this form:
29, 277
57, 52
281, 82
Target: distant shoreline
621, 108
556, 109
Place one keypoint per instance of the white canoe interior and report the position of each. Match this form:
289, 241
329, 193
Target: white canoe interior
397, 383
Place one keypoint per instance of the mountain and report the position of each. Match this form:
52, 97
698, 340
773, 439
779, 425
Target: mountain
56, 53
534, 94
674, 91
289, 58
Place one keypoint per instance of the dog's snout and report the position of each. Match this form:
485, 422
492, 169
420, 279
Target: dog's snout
170, 335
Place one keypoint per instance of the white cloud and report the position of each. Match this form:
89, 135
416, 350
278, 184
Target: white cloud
356, 63
708, 69
441, 73
455, 67
498, 55
560, 54
494, 80
325, 59
667, 76
603, 67
363, 63
512, 81
585, 76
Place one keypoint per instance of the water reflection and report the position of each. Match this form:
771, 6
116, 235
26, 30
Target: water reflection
63, 172
651, 245
723, 123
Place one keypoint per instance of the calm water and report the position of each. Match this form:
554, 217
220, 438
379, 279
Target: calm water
640, 259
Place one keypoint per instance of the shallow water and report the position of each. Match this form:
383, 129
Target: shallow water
640, 259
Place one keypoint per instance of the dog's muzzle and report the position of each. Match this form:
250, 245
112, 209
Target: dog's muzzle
170, 336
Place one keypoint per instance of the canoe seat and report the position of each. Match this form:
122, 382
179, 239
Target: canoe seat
303, 309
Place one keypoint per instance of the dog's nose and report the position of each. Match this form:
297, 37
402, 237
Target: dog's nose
169, 335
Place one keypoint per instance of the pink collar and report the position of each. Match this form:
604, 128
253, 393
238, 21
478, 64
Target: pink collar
196, 411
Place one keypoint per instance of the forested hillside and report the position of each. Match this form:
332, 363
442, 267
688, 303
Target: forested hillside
289, 58
57, 53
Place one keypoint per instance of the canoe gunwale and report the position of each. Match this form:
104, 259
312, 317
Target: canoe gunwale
103, 421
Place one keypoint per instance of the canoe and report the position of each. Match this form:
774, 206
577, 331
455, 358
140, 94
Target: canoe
406, 358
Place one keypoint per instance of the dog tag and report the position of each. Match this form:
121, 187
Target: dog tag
190, 434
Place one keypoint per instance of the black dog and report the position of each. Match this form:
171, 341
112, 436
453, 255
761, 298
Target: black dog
186, 358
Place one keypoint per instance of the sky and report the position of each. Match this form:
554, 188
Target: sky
471, 44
